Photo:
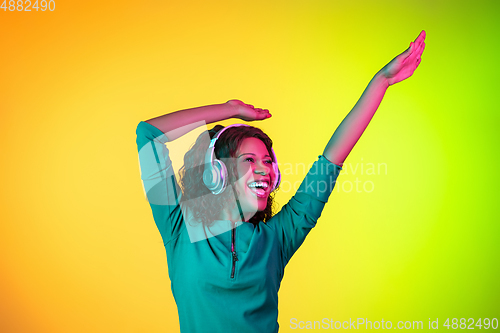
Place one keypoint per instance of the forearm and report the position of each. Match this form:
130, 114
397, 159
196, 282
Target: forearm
178, 123
355, 123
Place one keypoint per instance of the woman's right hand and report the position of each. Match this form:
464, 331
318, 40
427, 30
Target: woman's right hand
248, 112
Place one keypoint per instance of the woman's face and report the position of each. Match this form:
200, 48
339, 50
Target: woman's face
255, 175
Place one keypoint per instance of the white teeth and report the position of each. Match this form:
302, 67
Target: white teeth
258, 184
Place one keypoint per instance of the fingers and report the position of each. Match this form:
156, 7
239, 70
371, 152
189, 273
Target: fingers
417, 44
410, 49
419, 51
421, 37
417, 47
257, 113
420, 42
264, 113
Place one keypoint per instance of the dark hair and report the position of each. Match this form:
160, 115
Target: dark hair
207, 207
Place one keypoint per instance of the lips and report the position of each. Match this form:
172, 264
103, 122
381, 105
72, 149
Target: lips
259, 188
259, 192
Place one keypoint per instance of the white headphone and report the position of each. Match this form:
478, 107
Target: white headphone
215, 174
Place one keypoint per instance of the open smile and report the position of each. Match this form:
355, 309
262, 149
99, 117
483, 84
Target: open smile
259, 188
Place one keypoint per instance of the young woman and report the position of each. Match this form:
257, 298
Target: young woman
226, 250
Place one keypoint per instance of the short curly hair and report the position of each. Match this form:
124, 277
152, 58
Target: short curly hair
207, 207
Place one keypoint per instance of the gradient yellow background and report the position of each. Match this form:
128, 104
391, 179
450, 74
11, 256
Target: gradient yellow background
79, 248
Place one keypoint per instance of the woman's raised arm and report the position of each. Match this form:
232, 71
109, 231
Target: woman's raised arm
178, 123
354, 124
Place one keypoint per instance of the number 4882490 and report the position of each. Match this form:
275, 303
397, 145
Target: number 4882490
26, 6
471, 324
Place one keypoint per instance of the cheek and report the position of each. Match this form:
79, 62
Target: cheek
272, 173
243, 169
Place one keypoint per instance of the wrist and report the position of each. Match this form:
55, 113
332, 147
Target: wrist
232, 110
381, 79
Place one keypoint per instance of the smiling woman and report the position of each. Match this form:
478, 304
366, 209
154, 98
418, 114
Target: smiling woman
226, 249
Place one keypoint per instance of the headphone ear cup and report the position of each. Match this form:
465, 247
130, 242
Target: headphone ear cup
277, 176
210, 176
220, 181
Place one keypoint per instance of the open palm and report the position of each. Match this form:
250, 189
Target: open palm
403, 66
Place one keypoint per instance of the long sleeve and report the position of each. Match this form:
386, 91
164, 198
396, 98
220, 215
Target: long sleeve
158, 180
299, 215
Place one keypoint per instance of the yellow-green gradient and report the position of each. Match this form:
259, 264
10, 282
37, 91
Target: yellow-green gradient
80, 251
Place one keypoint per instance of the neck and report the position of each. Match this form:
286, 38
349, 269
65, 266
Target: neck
235, 214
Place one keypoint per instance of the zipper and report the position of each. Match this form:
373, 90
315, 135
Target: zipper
233, 252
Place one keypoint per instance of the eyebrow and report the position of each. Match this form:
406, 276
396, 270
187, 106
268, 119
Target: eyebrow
252, 154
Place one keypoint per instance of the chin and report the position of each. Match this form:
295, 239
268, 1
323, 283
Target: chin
261, 208
252, 204
254, 209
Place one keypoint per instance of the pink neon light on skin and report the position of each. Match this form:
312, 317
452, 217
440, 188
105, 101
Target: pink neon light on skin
355, 123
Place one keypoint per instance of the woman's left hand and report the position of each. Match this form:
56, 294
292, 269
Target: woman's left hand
403, 66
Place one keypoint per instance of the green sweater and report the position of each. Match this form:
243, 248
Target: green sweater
214, 292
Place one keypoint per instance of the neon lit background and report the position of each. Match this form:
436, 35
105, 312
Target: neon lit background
80, 251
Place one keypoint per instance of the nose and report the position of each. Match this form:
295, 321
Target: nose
262, 169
